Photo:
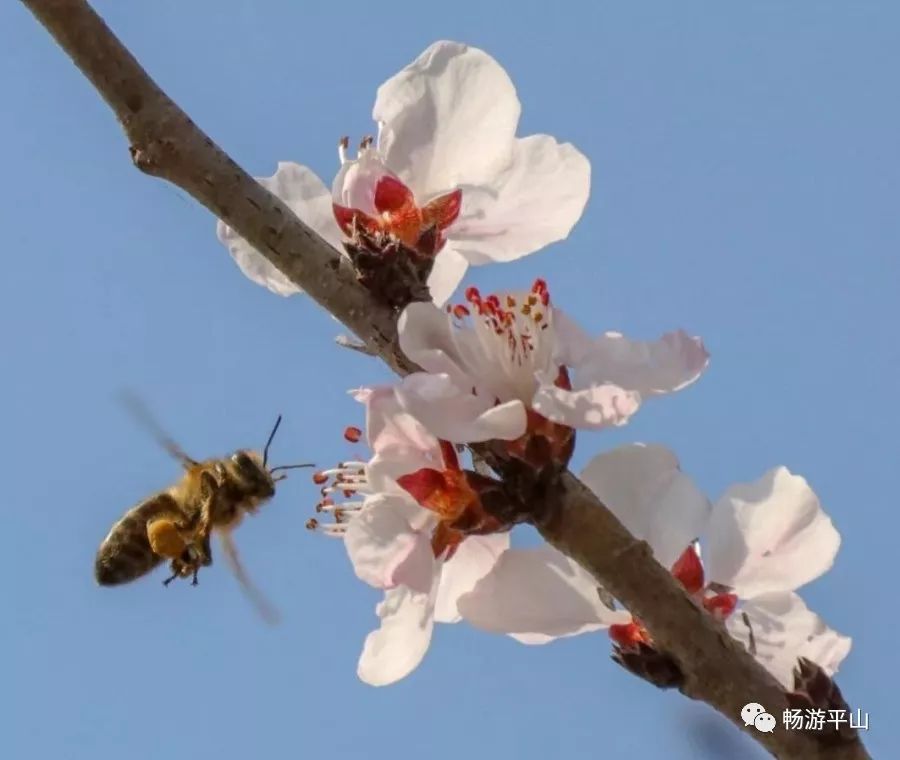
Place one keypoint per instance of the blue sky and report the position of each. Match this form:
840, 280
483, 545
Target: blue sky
746, 176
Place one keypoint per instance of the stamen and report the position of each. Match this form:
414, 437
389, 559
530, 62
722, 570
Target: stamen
343, 144
366, 143
352, 434
335, 530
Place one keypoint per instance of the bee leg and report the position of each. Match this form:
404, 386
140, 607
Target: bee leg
209, 489
171, 578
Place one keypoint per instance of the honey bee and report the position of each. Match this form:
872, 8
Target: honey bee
176, 524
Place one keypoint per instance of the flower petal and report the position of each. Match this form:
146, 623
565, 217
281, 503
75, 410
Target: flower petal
770, 535
644, 487
394, 650
428, 338
385, 550
649, 367
474, 559
572, 345
457, 415
537, 595
389, 428
306, 195
785, 629
448, 119
446, 274
593, 407
357, 180
536, 202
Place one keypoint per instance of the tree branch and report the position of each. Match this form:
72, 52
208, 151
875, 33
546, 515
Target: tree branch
166, 143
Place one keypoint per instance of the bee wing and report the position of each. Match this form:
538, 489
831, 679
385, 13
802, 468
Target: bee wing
263, 606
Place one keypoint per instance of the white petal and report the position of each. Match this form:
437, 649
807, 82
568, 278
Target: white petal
448, 271
785, 629
394, 650
384, 549
594, 407
771, 535
536, 202
474, 559
537, 595
457, 415
447, 119
572, 345
428, 338
645, 488
649, 367
306, 195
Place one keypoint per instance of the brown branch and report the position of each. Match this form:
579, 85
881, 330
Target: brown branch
167, 144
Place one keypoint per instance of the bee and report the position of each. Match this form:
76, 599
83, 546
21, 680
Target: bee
213, 495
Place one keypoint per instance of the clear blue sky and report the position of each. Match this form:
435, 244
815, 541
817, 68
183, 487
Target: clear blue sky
746, 187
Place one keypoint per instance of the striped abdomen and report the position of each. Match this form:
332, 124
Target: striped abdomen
125, 553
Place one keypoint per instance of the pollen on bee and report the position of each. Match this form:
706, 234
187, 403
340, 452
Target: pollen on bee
352, 434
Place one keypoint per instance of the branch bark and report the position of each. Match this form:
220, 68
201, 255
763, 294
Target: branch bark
165, 143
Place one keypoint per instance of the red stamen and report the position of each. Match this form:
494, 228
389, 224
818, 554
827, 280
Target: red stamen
459, 311
352, 434
319, 478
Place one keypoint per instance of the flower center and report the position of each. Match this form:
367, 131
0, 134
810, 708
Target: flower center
390, 206
515, 333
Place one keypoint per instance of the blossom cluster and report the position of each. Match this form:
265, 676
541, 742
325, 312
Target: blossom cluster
448, 184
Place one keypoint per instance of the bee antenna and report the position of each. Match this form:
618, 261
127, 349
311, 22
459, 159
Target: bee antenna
290, 467
144, 417
269, 442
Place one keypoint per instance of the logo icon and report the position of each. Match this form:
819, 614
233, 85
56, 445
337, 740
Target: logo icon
765, 722
754, 714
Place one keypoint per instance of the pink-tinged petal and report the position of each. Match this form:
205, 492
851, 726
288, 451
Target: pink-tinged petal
537, 595
645, 488
593, 407
447, 120
649, 367
474, 559
457, 415
357, 181
304, 194
390, 428
784, 629
770, 535
446, 274
394, 650
536, 202
384, 549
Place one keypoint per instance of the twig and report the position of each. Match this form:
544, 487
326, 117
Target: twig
166, 143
